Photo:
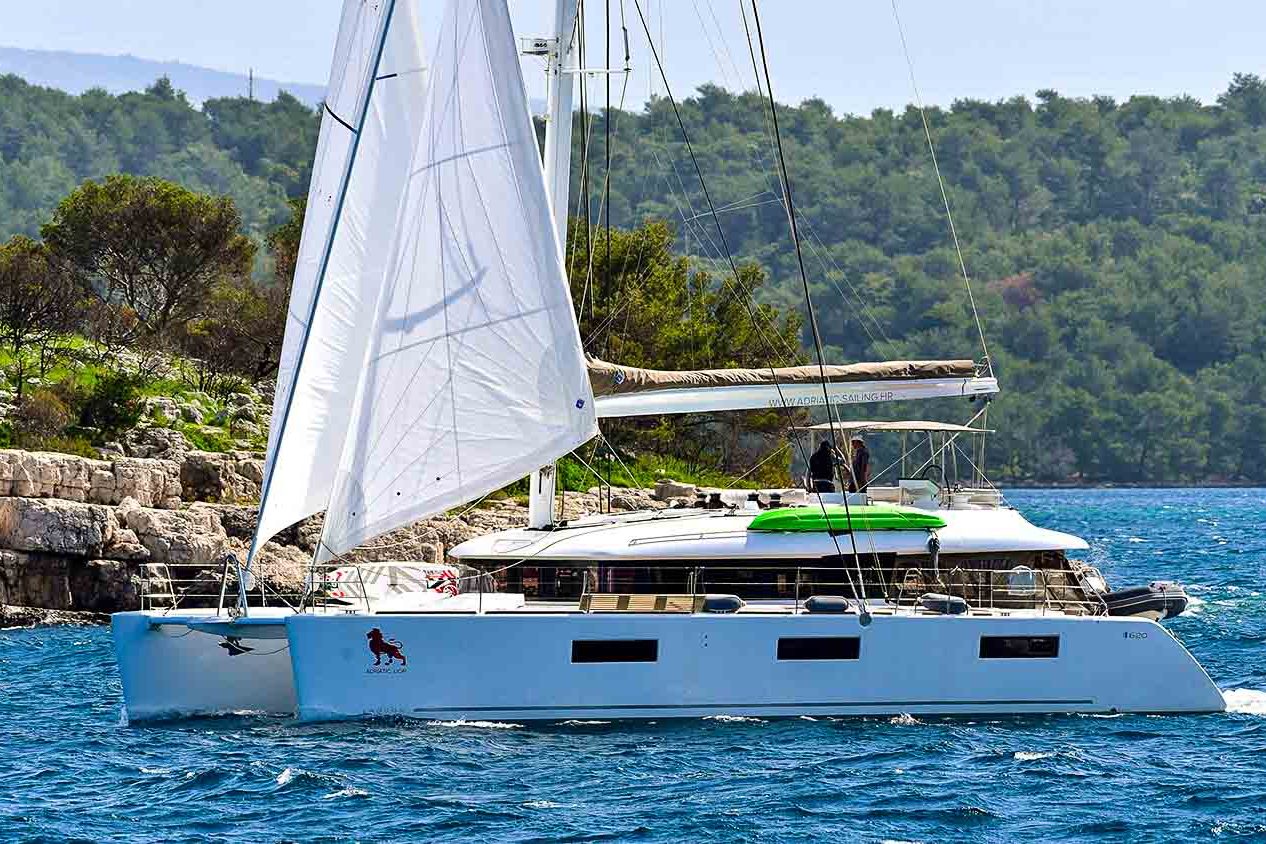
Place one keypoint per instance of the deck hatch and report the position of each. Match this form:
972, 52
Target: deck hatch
614, 650
1019, 647
819, 647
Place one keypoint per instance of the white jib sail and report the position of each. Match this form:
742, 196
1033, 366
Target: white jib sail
369, 128
475, 374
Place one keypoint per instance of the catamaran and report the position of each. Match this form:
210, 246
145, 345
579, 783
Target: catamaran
432, 356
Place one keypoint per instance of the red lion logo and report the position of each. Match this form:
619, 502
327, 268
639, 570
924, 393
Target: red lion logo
379, 646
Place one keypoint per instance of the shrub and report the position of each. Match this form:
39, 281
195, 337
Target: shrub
114, 405
71, 445
40, 416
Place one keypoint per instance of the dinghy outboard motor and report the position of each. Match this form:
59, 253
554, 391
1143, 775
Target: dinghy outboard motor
1158, 600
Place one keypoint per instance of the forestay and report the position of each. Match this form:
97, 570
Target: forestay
475, 375
368, 130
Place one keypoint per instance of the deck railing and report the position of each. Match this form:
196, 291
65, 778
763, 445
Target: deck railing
782, 589
901, 589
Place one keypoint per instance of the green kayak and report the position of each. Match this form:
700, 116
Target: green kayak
867, 517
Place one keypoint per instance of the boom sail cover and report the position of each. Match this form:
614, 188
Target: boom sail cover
474, 375
632, 391
372, 116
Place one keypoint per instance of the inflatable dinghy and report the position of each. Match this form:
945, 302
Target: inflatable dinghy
1158, 600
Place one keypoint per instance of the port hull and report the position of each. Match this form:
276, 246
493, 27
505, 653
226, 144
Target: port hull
175, 666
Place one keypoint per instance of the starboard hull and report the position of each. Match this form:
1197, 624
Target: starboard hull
522, 667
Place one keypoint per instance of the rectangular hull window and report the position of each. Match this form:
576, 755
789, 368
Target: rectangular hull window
819, 647
615, 650
1019, 647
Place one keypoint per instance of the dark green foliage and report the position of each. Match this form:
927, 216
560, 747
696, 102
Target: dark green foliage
1117, 249
50, 142
39, 303
648, 306
113, 405
151, 250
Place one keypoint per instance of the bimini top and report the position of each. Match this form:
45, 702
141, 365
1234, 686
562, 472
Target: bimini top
834, 517
912, 425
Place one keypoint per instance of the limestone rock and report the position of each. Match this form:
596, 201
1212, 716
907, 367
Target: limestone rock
19, 616
626, 502
159, 443
179, 537
229, 478
283, 568
237, 520
126, 545
36, 474
105, 586
191, 412
163, 406
34, 580
667, 488
245, 428
152, 482
57, 527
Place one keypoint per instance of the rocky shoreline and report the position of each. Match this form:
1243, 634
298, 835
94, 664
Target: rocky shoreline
82, 538
20, 618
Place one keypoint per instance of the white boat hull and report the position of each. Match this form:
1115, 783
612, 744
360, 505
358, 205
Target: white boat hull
519, 667
175, 665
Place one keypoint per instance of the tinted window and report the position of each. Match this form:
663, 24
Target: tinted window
615, 650
821, 647
1019, 647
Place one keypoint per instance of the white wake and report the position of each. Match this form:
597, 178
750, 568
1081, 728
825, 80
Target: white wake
1245, 701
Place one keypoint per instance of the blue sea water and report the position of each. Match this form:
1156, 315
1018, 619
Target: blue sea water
72, 769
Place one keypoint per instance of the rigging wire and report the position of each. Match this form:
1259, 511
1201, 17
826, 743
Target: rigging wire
863, 311
606, 180
936, 167
734, 269
611, 129
859, 592
707, 195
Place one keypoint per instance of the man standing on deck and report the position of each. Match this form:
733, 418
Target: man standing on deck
860, 465
822, 465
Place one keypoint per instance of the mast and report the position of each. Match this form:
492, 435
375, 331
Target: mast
561, 87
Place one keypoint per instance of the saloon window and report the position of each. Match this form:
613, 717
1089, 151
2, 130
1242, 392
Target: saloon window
614, 650
819, 647
1019, 647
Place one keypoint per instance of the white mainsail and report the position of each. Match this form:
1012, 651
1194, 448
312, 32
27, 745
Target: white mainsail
370, 125
475, 374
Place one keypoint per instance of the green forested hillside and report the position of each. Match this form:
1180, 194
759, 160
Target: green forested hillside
257, 153
1116, 249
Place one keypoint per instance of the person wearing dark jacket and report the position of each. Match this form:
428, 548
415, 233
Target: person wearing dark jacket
861, 466
822, 465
